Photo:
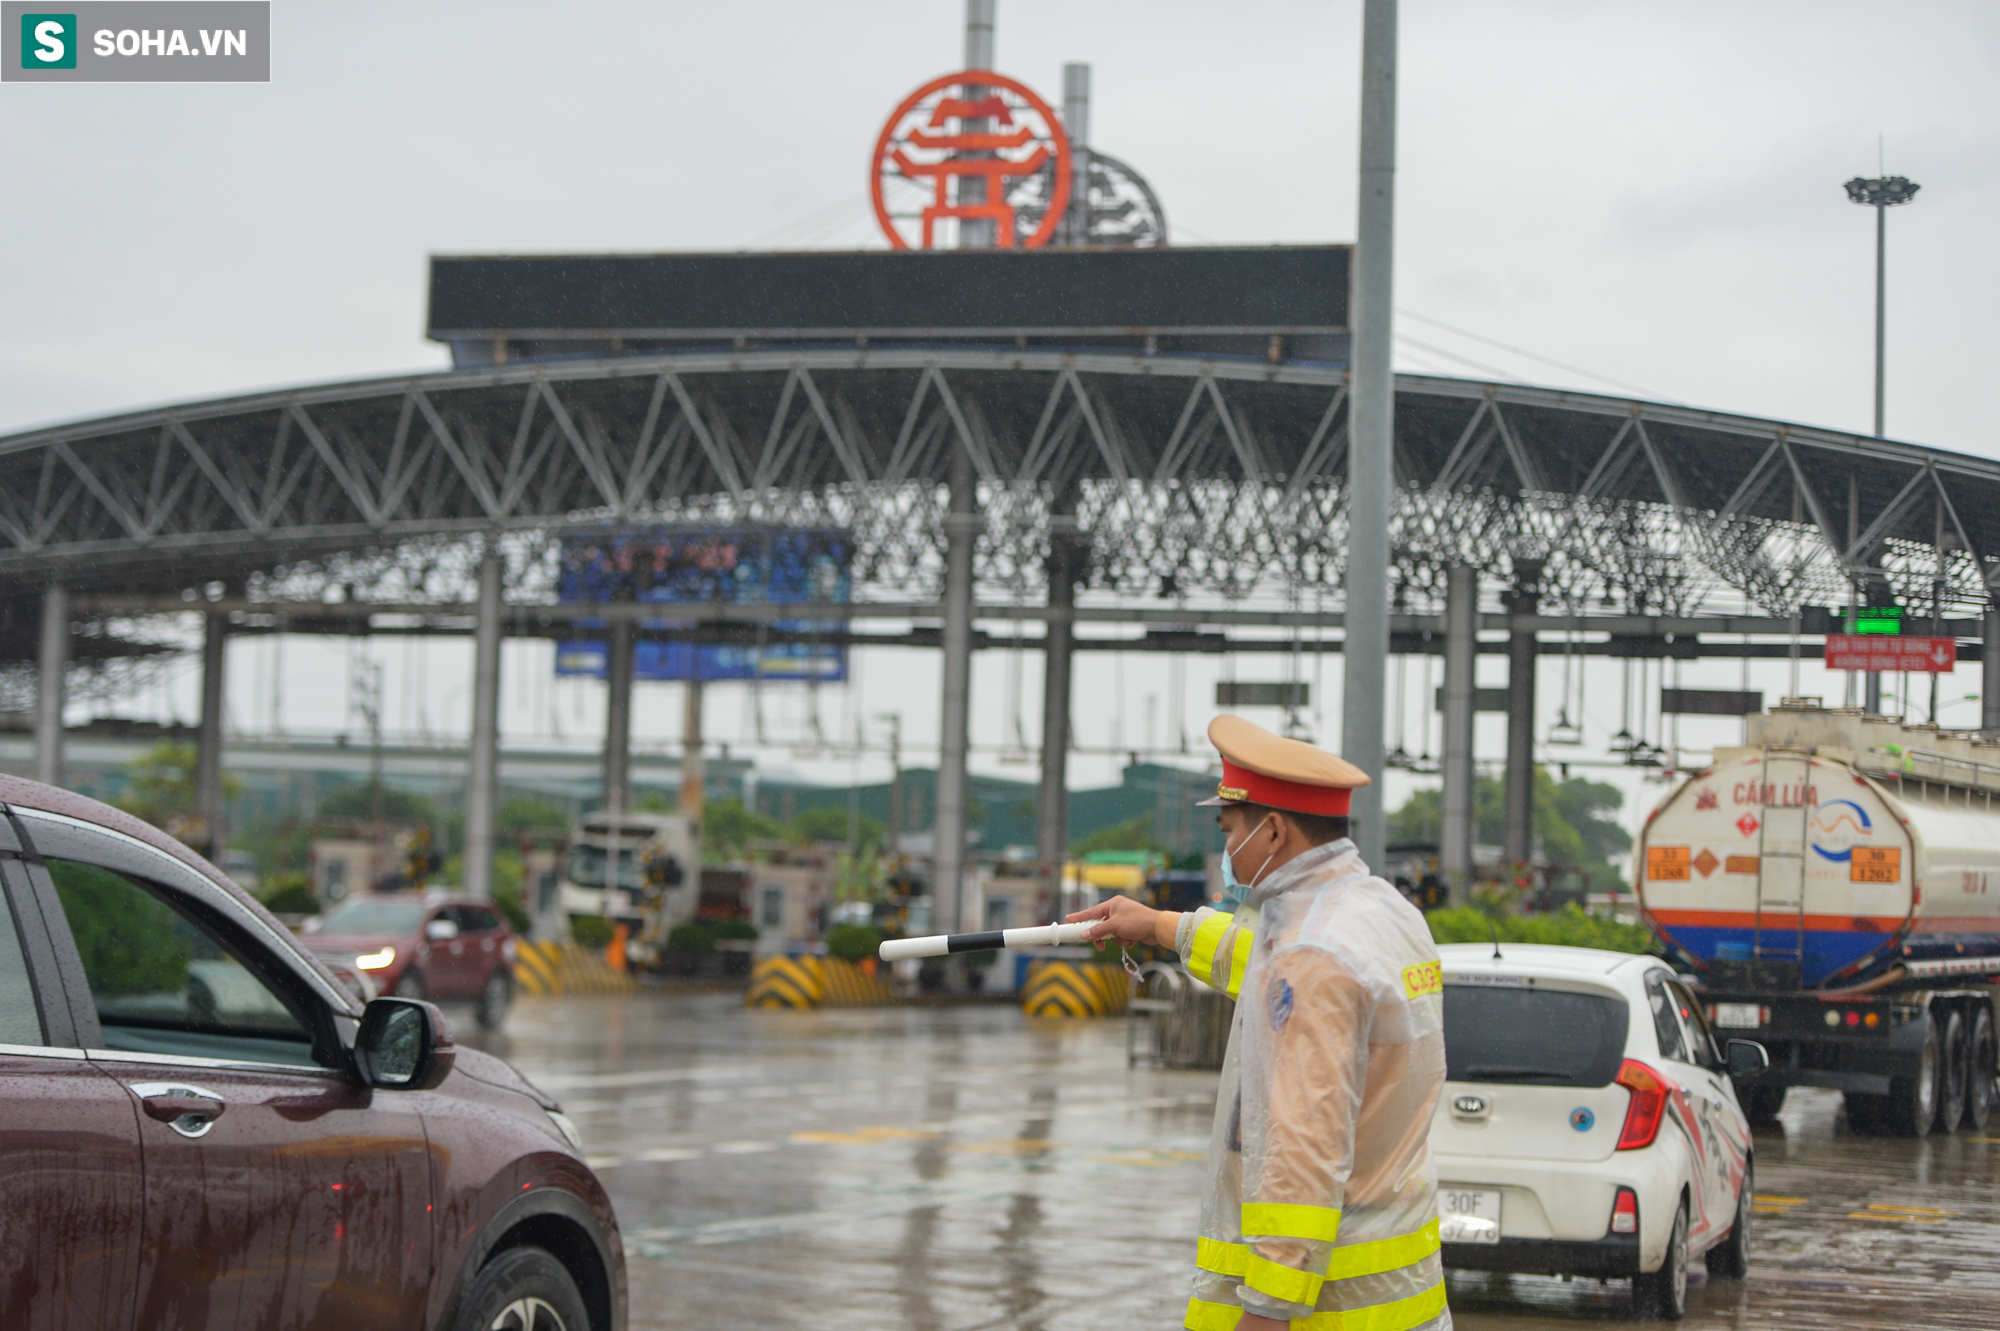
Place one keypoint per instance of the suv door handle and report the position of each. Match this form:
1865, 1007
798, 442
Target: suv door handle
189, 1110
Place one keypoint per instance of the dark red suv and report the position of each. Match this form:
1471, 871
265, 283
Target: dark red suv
422, 946
200, 1127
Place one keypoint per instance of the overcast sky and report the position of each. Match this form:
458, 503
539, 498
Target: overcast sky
1649, 193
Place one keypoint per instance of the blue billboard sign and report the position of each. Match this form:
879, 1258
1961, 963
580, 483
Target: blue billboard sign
692, 566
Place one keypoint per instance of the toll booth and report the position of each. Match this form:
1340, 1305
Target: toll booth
1007, 895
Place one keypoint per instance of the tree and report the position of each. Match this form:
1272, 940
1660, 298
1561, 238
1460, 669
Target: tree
527, 812
1576, 823
358, 802
827, 822
1132, 834
729, 826
161, 783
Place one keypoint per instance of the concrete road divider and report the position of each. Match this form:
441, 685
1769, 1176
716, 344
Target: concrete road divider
812, 982
1074, 989
542, 968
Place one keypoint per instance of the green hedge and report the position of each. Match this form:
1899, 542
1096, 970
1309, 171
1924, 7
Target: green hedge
591, 931
291, 894
853, 942
703, 935
1568, 927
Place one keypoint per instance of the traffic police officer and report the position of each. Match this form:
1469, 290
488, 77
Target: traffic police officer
1321, 1209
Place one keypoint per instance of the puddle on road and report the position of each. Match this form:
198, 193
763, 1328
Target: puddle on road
949, 1169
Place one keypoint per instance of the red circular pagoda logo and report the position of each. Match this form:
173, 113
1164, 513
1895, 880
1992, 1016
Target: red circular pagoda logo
962, 149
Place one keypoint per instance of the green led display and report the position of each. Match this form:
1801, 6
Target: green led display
1887, 619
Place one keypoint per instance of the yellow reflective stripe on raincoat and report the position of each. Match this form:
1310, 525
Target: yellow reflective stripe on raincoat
1288, 1220
1207, 939
1267, 1277
1367, 1259
1277, 1281
1225, 1259
1400, 1315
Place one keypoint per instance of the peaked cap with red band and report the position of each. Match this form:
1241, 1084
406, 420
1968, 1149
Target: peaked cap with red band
1261, 768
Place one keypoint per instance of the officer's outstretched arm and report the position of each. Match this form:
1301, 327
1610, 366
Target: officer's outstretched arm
1216, 947
1300, 1108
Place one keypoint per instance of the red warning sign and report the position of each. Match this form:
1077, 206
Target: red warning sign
1882, 654
959, 148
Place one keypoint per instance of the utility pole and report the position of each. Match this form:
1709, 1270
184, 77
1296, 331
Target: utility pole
1372, 399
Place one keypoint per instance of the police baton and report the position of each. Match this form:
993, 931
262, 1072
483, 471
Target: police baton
940, 945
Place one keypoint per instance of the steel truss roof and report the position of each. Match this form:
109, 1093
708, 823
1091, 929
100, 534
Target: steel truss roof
1205, 481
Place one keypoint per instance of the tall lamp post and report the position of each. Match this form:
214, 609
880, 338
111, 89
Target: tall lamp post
1881, 194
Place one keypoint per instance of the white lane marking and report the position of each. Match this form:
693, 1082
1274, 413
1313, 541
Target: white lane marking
742, 1148
661, 1155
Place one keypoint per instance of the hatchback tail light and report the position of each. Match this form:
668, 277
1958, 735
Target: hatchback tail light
1648, 1107
1625, 1212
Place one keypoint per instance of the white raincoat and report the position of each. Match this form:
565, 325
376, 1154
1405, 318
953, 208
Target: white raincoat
1322, 1200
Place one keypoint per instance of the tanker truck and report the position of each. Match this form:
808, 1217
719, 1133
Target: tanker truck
1834, 884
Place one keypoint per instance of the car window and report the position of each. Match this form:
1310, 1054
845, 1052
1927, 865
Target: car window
371, 915
164, 983
20, 1016
1694, 1023
1535, 1037
1666, 1018
478, 919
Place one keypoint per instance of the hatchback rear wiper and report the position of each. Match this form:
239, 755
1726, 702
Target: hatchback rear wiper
1515, 1074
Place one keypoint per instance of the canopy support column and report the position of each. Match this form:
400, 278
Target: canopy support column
54, 664
211, 809
618, 718
962, 526
1521, 604
482, 777
1461, 645
1053, 834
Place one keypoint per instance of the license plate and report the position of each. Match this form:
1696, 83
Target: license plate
1469, 1215
1738, 1016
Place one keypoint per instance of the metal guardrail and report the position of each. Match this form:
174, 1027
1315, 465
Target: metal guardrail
1930, 765
1175, 1021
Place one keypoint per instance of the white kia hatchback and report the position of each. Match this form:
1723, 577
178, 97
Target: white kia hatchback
1588, 1124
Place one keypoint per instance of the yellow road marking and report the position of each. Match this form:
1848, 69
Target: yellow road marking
1897, 1219
1763, 1200
862, 1136
1907, 1210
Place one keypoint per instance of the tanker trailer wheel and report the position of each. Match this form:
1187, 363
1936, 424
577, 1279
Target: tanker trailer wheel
1912, 1103
1952, 1073
1982, 1056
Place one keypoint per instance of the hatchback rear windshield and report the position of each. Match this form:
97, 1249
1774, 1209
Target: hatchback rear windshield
1536, 1037
374, 917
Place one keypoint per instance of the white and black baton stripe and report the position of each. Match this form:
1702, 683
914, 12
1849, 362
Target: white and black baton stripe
940, 945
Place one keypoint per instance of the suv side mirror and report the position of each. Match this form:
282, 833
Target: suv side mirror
1747, 1058
439, 931
404, 1044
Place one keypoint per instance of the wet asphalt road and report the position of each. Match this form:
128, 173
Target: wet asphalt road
955, 1168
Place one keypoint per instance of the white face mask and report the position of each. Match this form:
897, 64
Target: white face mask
1233, 892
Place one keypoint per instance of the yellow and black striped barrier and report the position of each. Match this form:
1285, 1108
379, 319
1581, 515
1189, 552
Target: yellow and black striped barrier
547, 968
812, 982
1074, 989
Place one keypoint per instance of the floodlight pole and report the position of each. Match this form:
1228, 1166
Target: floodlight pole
1372, 433
1881, 307
1881, 193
